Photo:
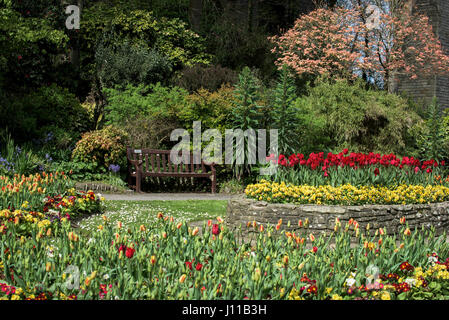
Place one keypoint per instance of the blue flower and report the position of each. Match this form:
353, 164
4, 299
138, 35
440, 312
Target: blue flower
47, 156
114, 168
49, 137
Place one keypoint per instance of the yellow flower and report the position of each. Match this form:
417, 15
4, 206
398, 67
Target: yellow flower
336, 297
15, 297
385, 295
183, 278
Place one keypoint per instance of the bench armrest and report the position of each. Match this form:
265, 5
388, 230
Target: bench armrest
136, 163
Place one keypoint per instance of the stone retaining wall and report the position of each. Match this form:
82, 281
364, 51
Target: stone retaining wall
97, 187
241, 210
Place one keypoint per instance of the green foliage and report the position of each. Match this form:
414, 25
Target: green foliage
247, 114
433, 139
125, 104
283, 113
170, 37
32, 114
16, 160
207, 77
341, 114
153, 101
125, 63
213, 109
29, 47
232, 186
235, 46
101, 148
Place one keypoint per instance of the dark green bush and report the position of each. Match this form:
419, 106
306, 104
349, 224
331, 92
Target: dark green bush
30, 116
341, 114
125, 63
207, 77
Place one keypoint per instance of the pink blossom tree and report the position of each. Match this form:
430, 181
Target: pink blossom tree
339, 42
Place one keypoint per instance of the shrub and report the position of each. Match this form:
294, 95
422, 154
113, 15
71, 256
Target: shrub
283, 113
125, 63
214, 109
170, 37
208, 77
125, 104
433, 138
342, 114
101, 148
152, 101
232, 186
48, 106
149, 132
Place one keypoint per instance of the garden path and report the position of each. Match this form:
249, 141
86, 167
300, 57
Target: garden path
166, 196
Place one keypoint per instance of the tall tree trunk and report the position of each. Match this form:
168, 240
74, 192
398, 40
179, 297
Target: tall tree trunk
75, 50
195, 13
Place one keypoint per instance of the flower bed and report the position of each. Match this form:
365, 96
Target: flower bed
171, 261
346, 194
19, 189
357, 169
37, 200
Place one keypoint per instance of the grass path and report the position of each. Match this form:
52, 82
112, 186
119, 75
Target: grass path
136, 213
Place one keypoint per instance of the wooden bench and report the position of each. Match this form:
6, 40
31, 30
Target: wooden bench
156, 163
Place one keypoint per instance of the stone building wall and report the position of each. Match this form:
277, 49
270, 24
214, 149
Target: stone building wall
241, 210
423, 90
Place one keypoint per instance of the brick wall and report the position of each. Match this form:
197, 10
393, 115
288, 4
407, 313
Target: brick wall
425, 89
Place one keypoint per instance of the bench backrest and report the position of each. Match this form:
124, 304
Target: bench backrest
155, 161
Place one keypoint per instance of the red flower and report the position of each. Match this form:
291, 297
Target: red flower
215, 229
376, 171
315, 249
189, 265
345, 151
199, 266
129, 252
19, 57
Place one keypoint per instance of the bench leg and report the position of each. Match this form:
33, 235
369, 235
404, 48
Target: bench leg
138, 182
214, 183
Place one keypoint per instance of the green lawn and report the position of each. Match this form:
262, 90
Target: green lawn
145, 212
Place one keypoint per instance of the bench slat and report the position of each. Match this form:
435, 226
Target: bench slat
163, 163
140, 162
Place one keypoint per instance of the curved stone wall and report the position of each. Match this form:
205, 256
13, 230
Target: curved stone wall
241, 210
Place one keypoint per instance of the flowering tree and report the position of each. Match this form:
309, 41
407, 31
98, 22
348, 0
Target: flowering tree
319, 43
341, 42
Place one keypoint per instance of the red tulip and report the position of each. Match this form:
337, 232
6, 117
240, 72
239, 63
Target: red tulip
215, 229
129, 252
